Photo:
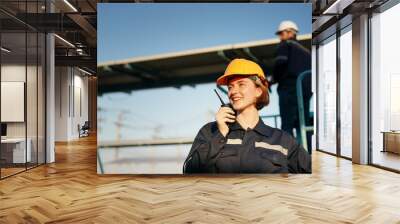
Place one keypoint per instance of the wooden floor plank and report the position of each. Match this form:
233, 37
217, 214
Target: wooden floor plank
70, 191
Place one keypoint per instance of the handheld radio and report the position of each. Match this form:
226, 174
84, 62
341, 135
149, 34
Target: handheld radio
223, 104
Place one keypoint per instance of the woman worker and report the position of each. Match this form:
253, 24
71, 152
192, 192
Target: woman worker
241, 142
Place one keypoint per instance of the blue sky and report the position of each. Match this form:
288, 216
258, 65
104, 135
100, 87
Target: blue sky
129, 30
132, 30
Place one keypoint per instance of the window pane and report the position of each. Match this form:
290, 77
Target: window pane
345, 93
327, 95
385, 84
14, 153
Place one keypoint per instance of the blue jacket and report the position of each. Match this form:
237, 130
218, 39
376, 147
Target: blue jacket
259, 150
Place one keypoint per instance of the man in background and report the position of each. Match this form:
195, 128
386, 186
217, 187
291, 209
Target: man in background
291, 60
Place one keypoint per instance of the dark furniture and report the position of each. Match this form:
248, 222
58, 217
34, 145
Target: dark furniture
84, 130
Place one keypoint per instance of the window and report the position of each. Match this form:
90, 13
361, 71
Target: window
23, 88
385, 89
327, 95
346, 92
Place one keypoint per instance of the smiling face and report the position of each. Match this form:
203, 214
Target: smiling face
242, 92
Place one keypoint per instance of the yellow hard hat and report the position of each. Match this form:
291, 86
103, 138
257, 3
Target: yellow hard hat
243, 67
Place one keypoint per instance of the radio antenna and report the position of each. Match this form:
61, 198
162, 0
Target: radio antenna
222, 102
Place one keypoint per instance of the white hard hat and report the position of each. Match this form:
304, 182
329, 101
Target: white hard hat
285, 25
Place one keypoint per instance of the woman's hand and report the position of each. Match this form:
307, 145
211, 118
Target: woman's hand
225, 115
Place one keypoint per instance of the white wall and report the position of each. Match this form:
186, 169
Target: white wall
61, 103
71, 93
33, 125
80, 101
14, 72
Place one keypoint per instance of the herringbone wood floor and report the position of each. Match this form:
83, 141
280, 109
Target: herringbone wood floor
70, 191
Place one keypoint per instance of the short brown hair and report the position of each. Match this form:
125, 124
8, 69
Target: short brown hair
263, 100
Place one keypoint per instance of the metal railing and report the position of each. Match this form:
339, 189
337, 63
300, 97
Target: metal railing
300, 103
274, 116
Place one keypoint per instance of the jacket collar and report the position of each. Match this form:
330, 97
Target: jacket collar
260, 127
